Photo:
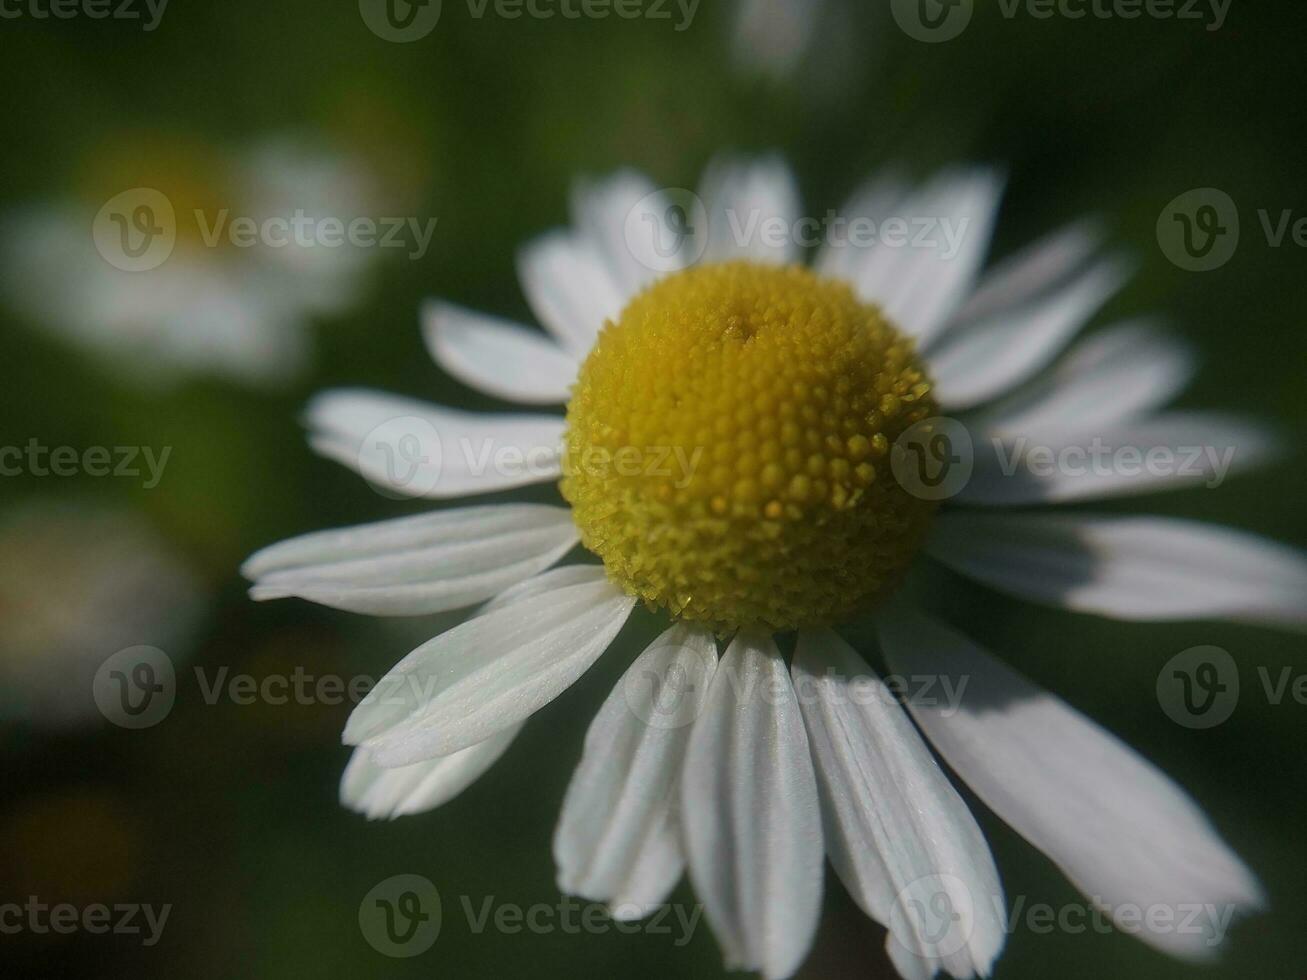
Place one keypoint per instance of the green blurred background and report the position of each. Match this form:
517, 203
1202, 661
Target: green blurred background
228, 812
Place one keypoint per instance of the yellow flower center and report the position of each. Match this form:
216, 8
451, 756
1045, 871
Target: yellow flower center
728, 448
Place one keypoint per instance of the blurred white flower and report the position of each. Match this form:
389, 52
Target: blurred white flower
206, 304
78, 583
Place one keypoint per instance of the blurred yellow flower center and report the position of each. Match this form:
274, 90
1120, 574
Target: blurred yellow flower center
728, 448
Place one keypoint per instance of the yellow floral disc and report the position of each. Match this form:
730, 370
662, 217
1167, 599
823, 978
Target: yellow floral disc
728, 448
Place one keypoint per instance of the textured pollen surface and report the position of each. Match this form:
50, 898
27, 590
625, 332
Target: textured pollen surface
728, 448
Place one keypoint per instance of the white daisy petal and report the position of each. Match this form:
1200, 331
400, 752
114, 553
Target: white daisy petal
416, 449
556, 578
618, 837
1132, 568
488, 673
1036, 269
920, 286
497, 357
1165, 452
569, 289
416, 565
874, 202
750, 813
898, 834
985, 358
1114, 376
384, 794
1124, 833
742, 198
603, 211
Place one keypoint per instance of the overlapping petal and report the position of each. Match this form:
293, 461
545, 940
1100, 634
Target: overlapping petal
416, 565
618, 837
1124, 833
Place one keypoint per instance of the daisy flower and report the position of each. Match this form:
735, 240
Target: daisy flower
209, 305
733, 422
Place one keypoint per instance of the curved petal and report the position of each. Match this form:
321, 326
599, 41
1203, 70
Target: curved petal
898, 834
569, 289
497, 357
602, 211
1036, 269
947, 227
488, 673
1165, 452
875, 201
415, 449
1124, 833
415, 565
384, 794
556, 578
976, 362
1118, 374
750, 813
1133, 568
742, 197
618, 837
